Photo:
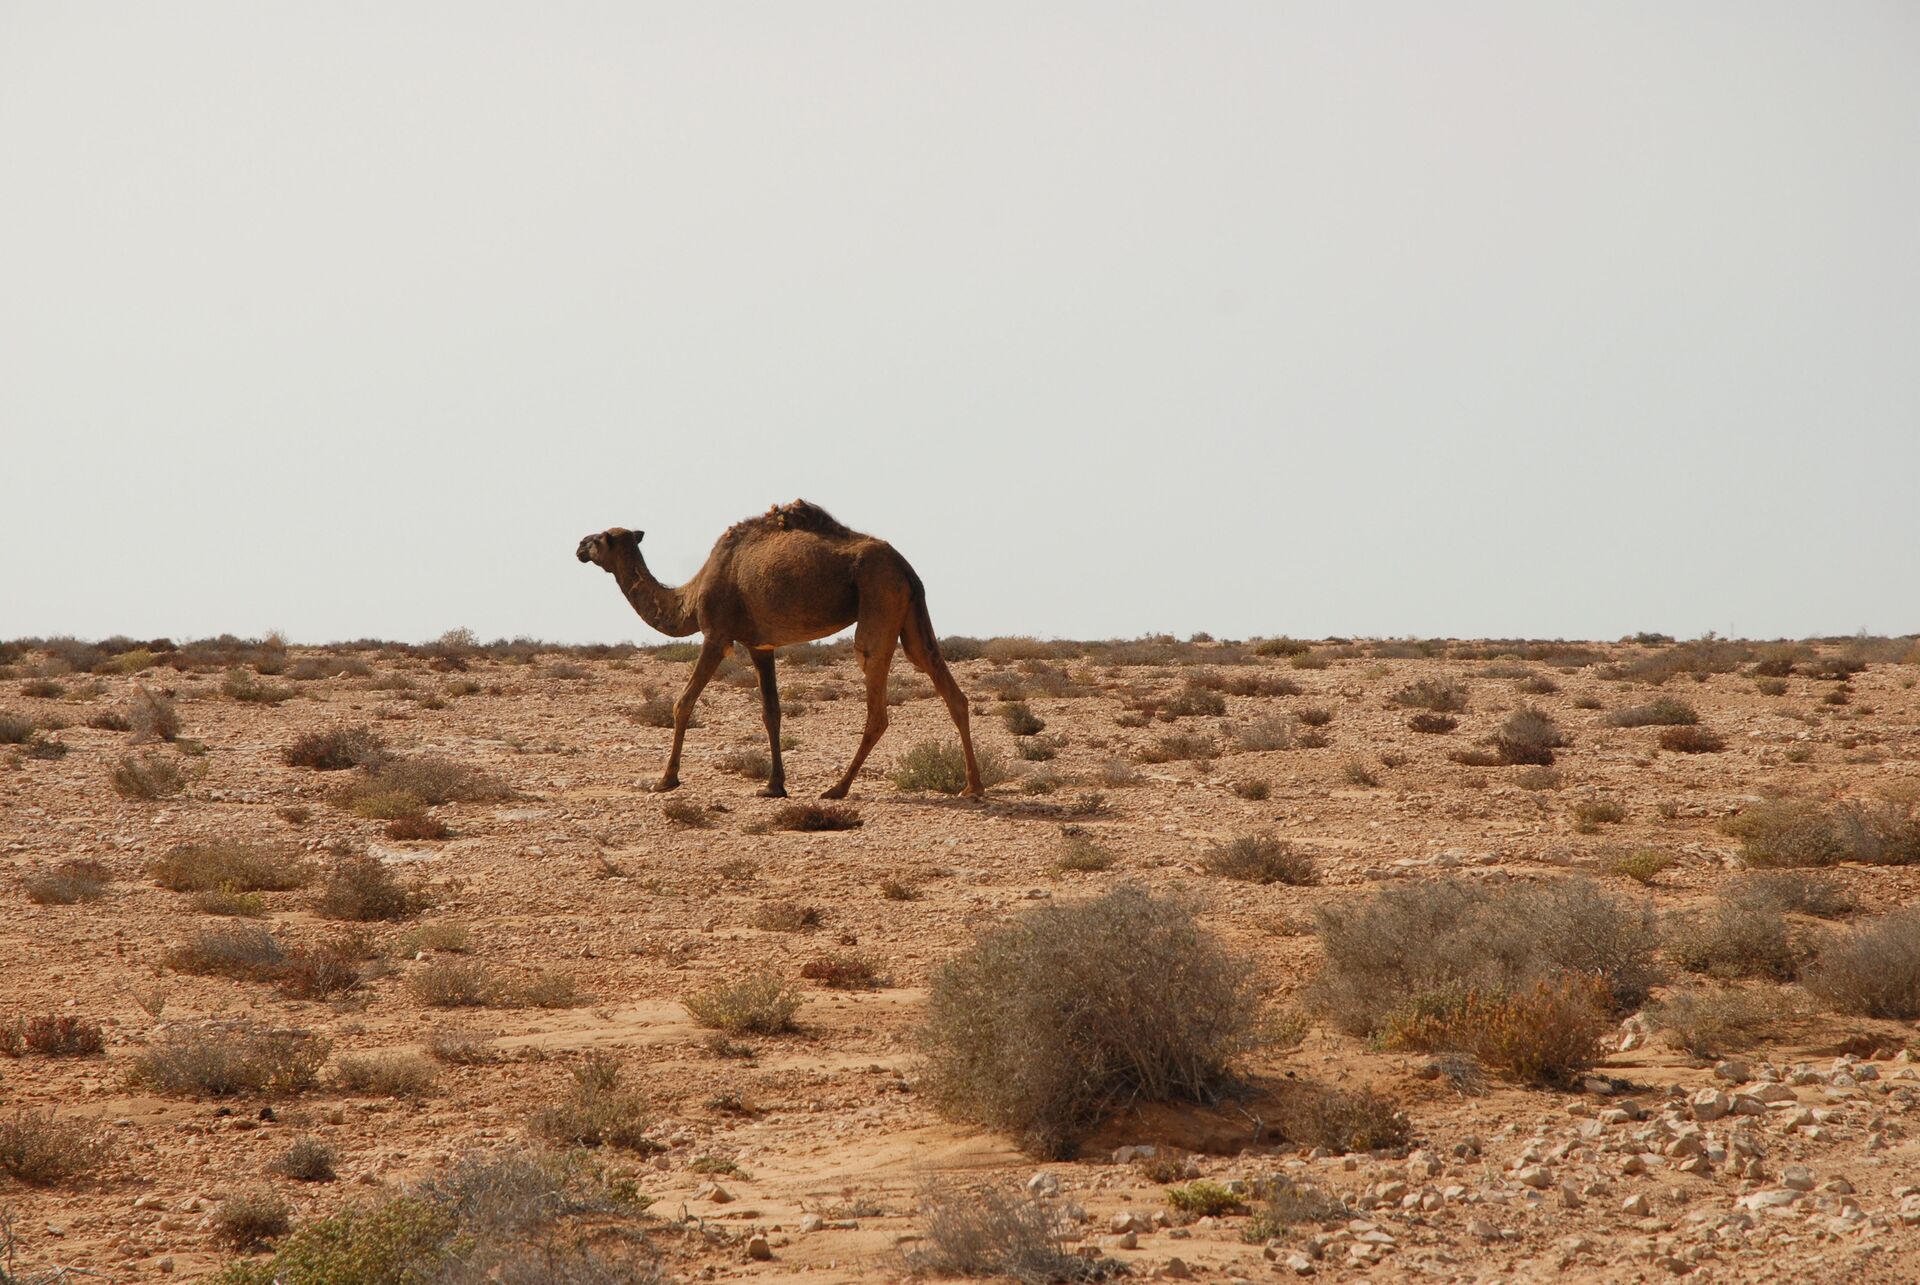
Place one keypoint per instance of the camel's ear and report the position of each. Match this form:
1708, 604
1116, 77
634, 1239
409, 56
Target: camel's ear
638, 536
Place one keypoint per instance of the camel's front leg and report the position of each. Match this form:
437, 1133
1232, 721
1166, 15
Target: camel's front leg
712, 652
875, 663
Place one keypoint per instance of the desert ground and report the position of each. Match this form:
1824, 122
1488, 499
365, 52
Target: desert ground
518, 985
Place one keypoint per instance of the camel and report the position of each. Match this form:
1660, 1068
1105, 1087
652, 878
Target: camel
791, 575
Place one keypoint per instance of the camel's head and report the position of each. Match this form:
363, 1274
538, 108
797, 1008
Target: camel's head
599, 547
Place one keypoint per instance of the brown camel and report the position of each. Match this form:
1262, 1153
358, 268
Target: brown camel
791, 575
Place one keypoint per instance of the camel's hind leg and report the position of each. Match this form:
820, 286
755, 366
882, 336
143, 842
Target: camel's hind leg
776, 787
712, 652
875, 650
923, 649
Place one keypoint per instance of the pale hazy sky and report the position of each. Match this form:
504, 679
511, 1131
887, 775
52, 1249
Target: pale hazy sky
1464, 319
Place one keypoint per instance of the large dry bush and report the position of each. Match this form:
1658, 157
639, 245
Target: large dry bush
1798, 832
70, 882
363, 889
1384, 953
1873, 970
147, 776
41, 1149
1000, 1232
1068, 1012
1528, 736
1313, 1115
1539, 1034
1712, 1021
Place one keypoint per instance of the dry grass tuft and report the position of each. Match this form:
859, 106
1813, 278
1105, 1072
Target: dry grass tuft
1873, 970
1340, 1122
385, 1075
362, 889
52, 1036
336, 749
249, 1219
40, 1149
307, 1160
843, 971
147, 776
1433, 724
1528, 736
1438, 695
225, 1060
1710, 1021
1664, 711
999, 1232
599, 1110
1543, 1034
1692, 740
940, 766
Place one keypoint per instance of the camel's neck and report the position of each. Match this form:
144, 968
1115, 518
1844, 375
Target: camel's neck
664, 608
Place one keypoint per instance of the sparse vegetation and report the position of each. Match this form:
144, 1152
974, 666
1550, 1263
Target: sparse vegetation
307, 1160
843, 971
1528, 736
1433, 724
599, 1110
1340, 1122
1692, 740
384, 1075
1538, 1034
1048, 1022
455, 983
63, 1035
999, 1232
752, 764
940, 766
1710, 1021
1662, 711
1590, 814
1438, 695
786, 917
1081, 853
1642, 865
1740, 935
1018, 718
686, 815
249, 1219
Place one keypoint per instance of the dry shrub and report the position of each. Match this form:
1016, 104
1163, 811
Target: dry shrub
1283, 1203
16, 729
1080, 853
1740, 935
1543, 1034
1643, 865
68, 883
1195, 702
233, 865
1315, 715
307, 1160
457, 1046
1204, 1199
225, 1060
384, 1075
1796, 892
1261, 858
1590, 814
1872, 970
1315, 1116
152, 717
242, 952
418, 828
843, 971
1528, 736
786, 917
752, 764
147, 776
1018, 718
362, 889
547, 989
1255, 790
656, 711
1433, 724
1537, 778
996, 1231
1664, 711
1879, 832
246, 687
762, 1003
52, 1036
407, 786
894, 888
43, 1150
336, 749
1710, 1021
222, 901
1786, 832
1068, 1012
1475, 758
599, 1110
1178, 746
941, 766
686, 815
1267, 732
1440, 695
455, 983
331, 969
1358, 772
247, 1220
1454, 935
1692, 740
814, 817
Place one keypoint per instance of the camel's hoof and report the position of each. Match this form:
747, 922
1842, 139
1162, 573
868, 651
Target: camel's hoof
837, 792
773, 792
665, 786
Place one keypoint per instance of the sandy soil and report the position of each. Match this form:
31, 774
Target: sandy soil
584, 874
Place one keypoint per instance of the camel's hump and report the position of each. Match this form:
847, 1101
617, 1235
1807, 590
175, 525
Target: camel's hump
801, 515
